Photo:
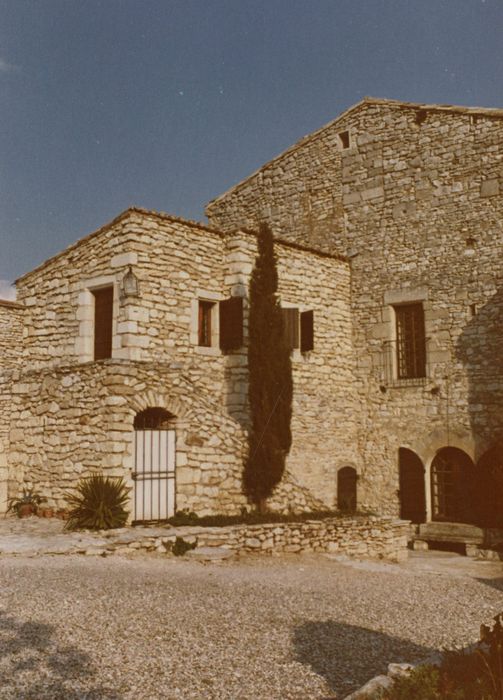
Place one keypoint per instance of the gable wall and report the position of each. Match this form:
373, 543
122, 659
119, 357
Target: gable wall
422, 221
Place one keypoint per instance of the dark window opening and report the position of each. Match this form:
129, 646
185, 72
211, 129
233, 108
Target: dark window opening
344, 137
204, 323
306, 331
103, 318
421, 115
410, 341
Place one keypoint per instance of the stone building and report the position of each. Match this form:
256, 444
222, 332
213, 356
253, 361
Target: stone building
127, 351
412, 194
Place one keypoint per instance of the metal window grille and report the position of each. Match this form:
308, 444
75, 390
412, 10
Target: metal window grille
410, 341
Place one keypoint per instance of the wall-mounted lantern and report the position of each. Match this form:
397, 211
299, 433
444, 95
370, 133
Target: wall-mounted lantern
130, 286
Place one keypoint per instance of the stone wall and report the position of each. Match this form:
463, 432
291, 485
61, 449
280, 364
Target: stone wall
416, 202
11, 343
11, 334
365, 537
70, 415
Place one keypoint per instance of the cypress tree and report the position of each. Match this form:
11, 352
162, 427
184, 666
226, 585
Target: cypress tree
270, 379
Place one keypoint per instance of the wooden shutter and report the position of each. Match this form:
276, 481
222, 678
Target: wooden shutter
103, 317
231, 323
291, 327
204, 323
306, 331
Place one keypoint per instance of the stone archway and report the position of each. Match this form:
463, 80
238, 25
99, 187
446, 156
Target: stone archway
412, 487
154, 465
452, 481
488, 488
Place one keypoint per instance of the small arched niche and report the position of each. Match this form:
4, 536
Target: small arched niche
346, 489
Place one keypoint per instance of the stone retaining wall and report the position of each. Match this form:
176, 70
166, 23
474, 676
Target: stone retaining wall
360, 537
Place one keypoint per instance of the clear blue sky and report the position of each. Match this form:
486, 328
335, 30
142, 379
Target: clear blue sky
163, 104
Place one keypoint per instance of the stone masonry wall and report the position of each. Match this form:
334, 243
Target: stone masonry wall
11, 341
71, 415
420, 189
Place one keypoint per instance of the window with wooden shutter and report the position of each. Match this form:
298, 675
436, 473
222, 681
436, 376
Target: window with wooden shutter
103, 318
410, 341
231, 323
291, 327
204, 323
306, 331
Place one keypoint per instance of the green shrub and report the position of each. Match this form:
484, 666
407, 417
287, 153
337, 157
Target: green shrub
422, 684
463, 675
98, 504
181, 546
254, 517
29, 498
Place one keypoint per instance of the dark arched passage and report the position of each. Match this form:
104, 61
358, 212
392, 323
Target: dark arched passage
412, 488
452, 486
488, 488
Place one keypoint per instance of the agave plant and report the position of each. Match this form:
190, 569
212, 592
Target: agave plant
98, 504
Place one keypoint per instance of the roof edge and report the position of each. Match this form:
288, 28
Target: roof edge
486, 111
11, 304
292, 244
123, 215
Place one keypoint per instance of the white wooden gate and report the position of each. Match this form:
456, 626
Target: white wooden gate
154, 474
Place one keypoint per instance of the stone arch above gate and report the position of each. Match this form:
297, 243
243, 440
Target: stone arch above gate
154, 418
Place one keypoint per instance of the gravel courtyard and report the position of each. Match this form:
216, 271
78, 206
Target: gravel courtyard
271, 628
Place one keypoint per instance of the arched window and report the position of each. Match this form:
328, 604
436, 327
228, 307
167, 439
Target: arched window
153, 419
412, 491
346, 489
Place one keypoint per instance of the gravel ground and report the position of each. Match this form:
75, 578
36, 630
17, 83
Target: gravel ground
271, 628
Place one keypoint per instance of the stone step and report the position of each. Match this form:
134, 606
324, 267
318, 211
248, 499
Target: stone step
450, 532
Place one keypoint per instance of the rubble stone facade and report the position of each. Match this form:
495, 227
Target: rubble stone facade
412, 194
388, 225
70, 415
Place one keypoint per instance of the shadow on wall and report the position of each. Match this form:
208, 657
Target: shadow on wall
348, 656
33, 665
480, 349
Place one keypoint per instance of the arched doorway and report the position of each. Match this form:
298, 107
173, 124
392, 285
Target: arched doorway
154, 471
452, 486
346, 489
411, 485
488, 491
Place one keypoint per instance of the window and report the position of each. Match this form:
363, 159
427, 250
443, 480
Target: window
344, 139
410, 341
299, 329
204, 323
103, 317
